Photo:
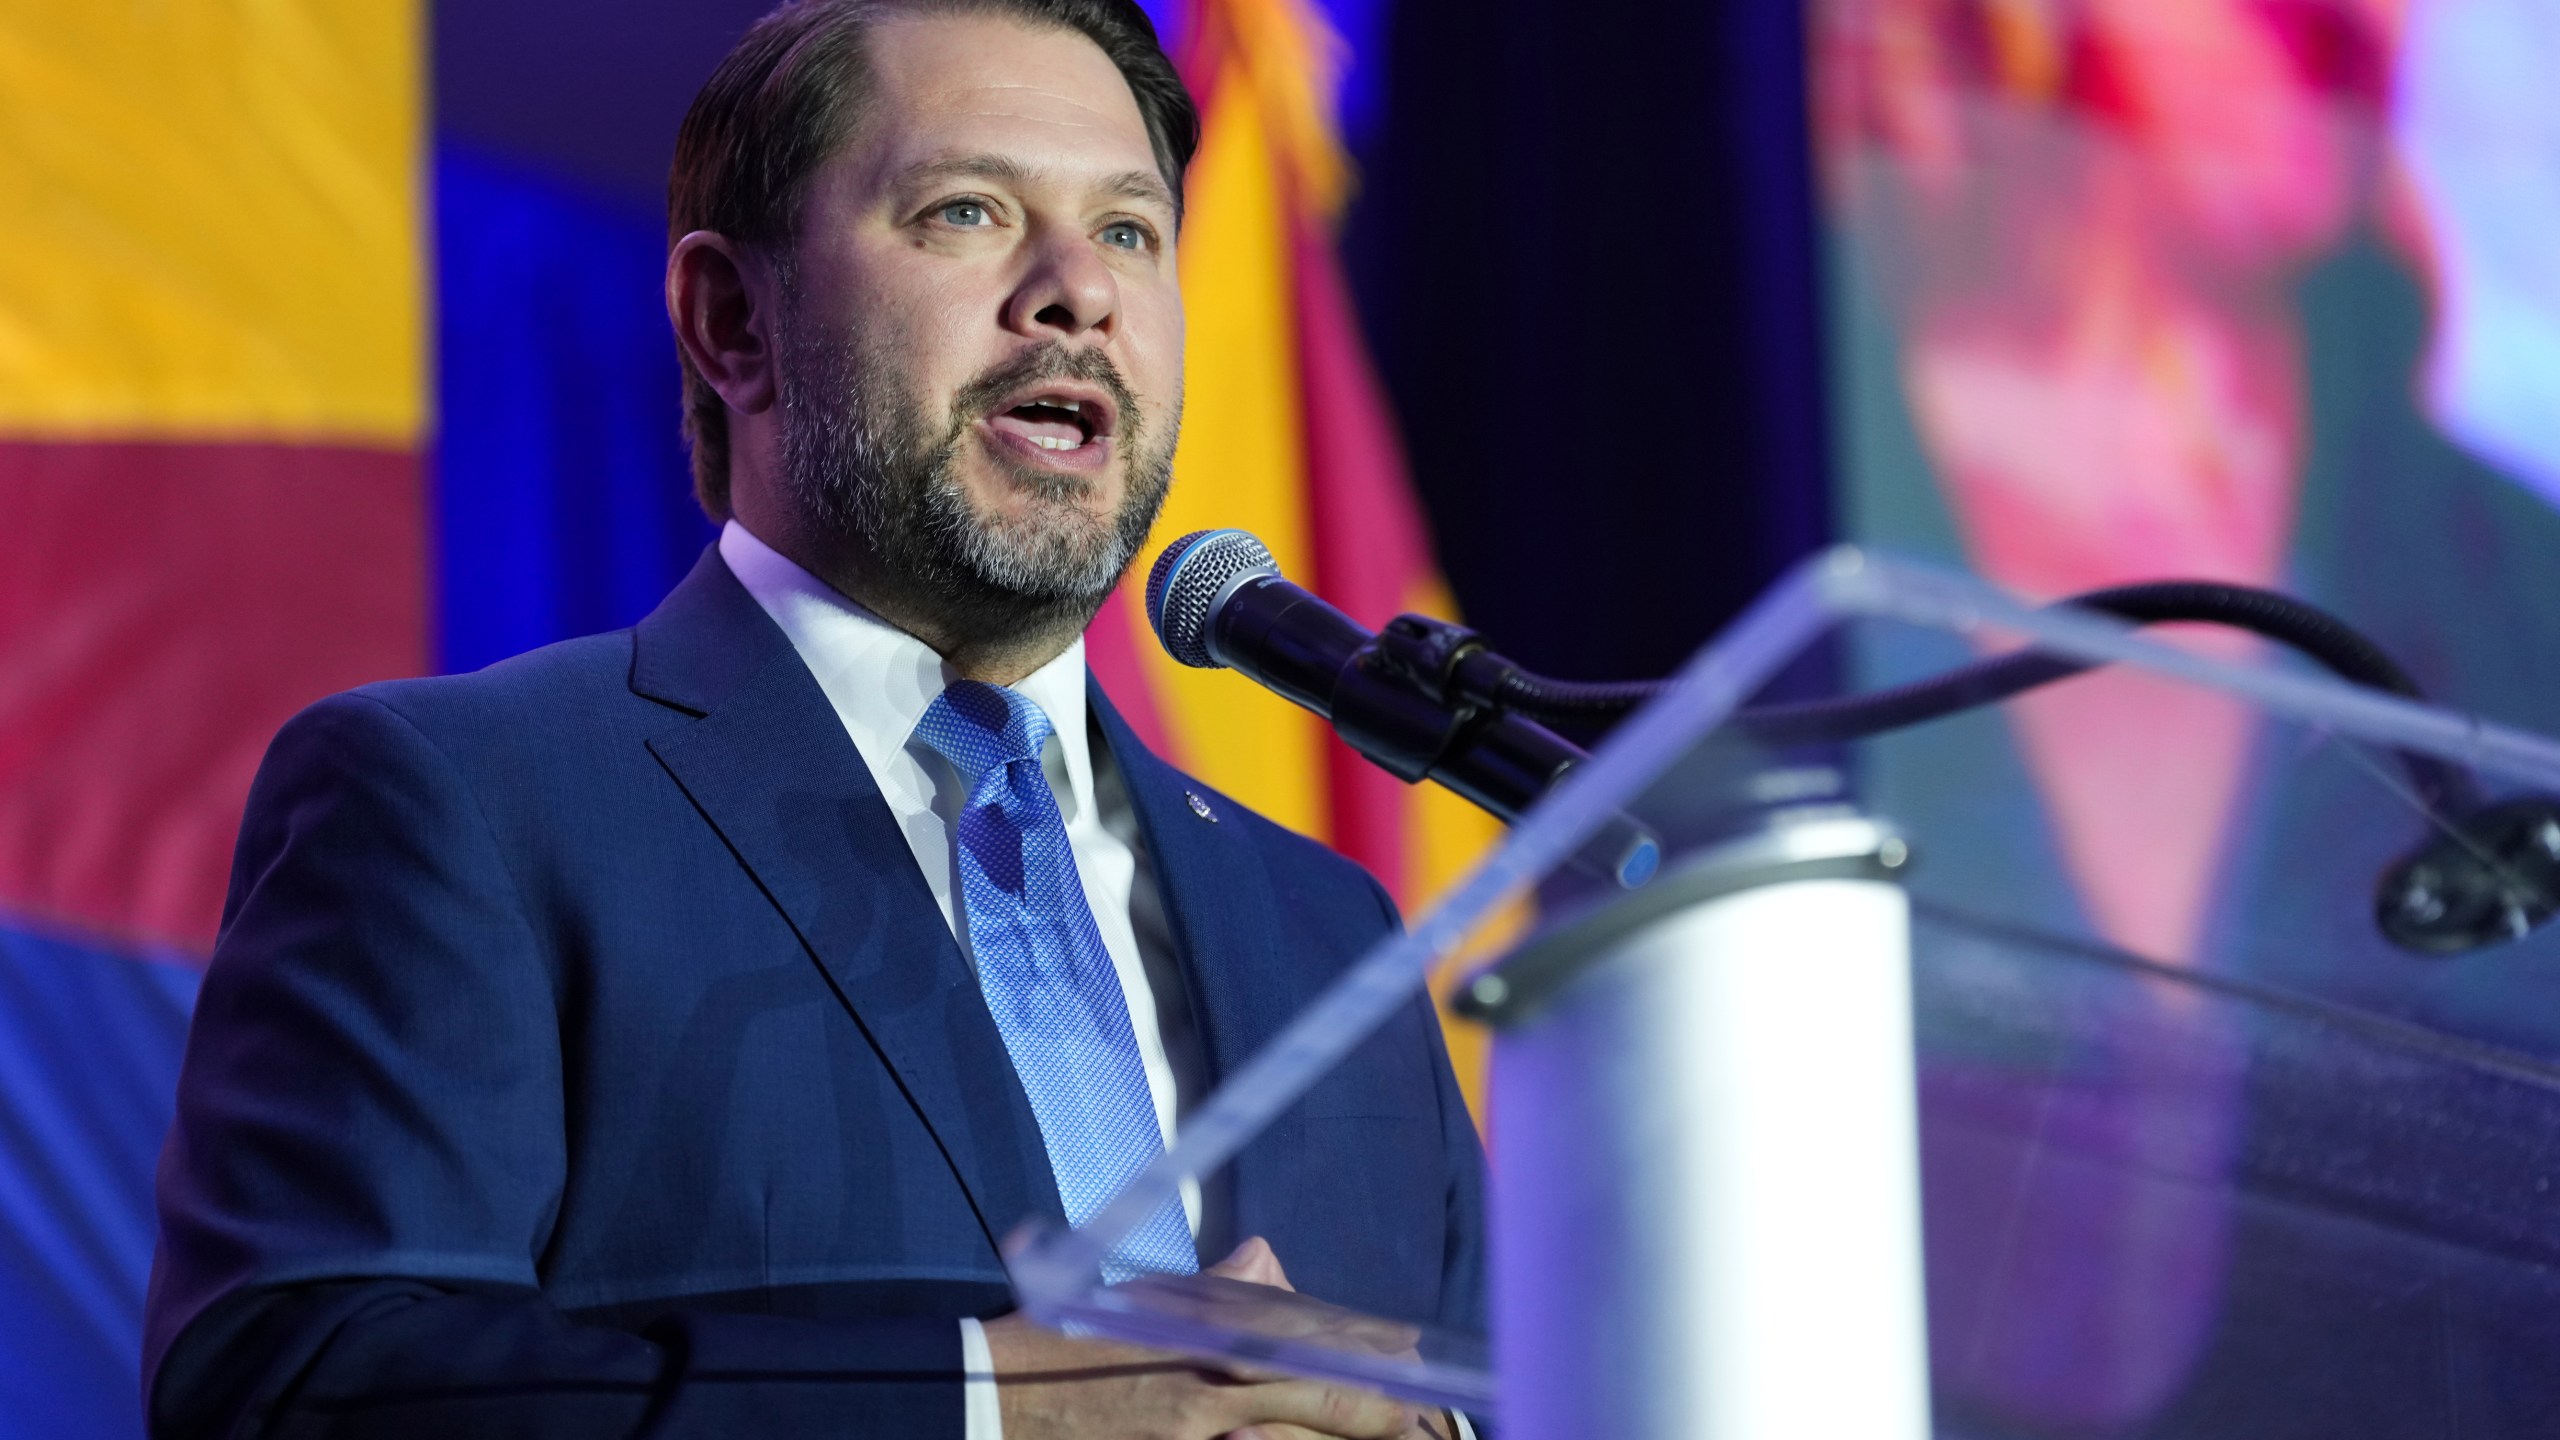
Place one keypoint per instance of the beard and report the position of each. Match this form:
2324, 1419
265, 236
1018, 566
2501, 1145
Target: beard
865, 463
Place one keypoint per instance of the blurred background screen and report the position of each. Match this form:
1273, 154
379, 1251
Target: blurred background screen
2250, 290
2237, 289
331, 349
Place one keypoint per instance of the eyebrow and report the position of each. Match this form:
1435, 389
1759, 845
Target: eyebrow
1141, 185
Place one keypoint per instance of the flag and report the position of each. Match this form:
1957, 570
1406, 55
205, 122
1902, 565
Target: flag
1286, 433
212, 402
212, 411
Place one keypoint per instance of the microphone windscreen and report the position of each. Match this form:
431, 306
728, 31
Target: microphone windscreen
1189, 579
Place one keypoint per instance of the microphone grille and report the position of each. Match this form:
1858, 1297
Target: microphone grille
1188, 578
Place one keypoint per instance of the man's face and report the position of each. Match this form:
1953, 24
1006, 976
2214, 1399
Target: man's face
980, 337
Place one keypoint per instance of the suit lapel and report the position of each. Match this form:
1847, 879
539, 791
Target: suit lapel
769, 766
1226, 922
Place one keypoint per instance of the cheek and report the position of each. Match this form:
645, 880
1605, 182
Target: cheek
931, 323
1151, 348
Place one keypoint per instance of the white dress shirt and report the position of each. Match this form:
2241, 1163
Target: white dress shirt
880, 680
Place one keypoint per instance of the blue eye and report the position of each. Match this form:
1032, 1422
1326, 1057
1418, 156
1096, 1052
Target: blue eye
967, 214
1125, 235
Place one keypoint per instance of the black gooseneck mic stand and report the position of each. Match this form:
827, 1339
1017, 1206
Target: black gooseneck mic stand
1426, 698
2491, 875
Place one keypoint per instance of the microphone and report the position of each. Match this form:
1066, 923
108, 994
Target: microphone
1216, 599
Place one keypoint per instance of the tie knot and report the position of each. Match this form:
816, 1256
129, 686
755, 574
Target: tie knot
980, 727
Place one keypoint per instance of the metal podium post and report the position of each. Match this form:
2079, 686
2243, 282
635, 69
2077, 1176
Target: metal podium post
1705, 1157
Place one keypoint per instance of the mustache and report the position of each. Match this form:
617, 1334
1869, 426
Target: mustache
1048, 361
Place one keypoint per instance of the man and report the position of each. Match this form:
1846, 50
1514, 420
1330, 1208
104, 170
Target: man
658, 1033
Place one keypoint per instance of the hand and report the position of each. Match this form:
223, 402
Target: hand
1056, 1387
1249, 1293
1254, 1262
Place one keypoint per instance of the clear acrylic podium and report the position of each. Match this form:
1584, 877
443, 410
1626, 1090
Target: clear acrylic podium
2093, 1062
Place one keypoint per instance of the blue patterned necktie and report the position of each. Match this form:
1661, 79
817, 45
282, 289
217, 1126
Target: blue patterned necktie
1048, 980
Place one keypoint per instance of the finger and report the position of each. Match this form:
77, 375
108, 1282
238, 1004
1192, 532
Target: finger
1337, 1411
1253, 1262
1431, 1424
1380, 1337
1278, 1314
1330, 1326
1344, 1330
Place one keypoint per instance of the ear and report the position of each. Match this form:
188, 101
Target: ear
721, 307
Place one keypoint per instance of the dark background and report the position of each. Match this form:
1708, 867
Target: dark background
1583, 249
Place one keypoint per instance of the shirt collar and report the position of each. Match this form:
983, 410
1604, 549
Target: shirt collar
880, 679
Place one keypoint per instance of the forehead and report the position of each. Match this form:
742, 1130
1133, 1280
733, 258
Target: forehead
944, 84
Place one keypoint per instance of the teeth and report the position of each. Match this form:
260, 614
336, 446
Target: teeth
1051, 442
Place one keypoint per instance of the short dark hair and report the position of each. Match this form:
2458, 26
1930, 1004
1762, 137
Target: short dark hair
793, 89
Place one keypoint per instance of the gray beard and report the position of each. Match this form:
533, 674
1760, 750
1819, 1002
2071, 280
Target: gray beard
864, 463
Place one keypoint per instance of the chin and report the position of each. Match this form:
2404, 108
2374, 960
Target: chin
1010, 493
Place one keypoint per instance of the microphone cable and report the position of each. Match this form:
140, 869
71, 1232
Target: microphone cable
1488, 679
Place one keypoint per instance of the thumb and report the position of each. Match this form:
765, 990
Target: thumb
1254, 1263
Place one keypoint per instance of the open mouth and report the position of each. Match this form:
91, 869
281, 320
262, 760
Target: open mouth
1069, 421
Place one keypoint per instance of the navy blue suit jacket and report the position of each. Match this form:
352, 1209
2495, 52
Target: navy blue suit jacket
583, 1054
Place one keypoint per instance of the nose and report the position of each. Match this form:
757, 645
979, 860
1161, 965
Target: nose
1066, 292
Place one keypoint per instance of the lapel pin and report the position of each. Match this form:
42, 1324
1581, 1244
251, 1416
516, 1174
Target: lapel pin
1200, 807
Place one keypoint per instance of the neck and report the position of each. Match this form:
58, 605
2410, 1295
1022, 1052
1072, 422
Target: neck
1006, 658
995, 639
